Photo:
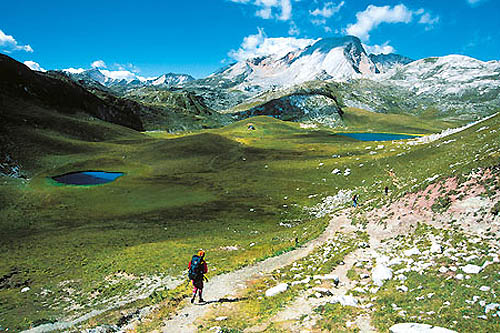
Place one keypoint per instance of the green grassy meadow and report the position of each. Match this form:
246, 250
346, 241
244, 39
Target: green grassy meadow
80, 248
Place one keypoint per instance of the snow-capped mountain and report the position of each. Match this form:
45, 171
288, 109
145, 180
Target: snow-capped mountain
170, 79
337, 59
126, 78
453, 75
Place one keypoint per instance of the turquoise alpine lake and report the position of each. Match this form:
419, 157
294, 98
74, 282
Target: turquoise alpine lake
377, 136
87, 177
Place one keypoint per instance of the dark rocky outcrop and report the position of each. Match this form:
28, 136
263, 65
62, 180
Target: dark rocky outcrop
17, 81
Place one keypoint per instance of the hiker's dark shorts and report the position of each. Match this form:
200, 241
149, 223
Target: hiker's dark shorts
197, 284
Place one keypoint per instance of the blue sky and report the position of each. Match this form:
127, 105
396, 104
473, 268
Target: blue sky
199, 36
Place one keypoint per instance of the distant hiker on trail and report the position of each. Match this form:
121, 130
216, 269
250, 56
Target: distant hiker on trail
386, 190
355, 200
197, 269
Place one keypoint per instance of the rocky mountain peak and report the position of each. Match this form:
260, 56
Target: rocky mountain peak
325, 45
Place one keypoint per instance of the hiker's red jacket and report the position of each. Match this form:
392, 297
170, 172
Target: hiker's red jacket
204, 267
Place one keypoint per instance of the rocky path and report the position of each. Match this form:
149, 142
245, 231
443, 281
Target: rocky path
224, 287
303, 306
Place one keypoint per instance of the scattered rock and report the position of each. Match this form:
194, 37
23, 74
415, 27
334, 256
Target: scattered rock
221, 318
282, 287
485, 288
332, 277
322, 291
344, 300
402, 289
410, 252
230, 248
25, 289
103, 329
418, 328
304, 281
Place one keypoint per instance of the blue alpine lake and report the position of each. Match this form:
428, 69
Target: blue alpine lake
377, 136
87, 177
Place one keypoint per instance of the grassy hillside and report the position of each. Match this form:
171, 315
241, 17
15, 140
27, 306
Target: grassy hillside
81, 248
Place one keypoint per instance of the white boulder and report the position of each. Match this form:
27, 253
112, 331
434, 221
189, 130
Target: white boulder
381, 273
344, 300
491, 307
401, 277
436, 248
333, 277
410, 252
471, 269
418, 328
282, 287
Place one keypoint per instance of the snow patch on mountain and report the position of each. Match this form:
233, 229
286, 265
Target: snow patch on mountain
123, 77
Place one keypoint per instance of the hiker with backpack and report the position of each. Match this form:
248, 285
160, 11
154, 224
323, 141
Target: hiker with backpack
355, 200
197, 269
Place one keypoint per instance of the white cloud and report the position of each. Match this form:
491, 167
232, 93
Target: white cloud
372, 16
426, 18
328, 10
294, 30
265, 13
98, 64
385, 48
473, 2
126, 67
119, 75
270, 9
74, 70
318, 21
9, 44
34, 66
286, 10
260, 45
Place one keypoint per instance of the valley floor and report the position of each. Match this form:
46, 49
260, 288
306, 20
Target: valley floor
425, 252
389, 271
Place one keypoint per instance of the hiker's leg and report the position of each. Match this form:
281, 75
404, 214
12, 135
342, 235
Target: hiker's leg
195, 289
200, 288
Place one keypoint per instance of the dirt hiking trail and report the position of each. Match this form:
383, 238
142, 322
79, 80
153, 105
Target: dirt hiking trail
222, 288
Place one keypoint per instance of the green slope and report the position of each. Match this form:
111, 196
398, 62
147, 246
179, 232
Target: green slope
210, 190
